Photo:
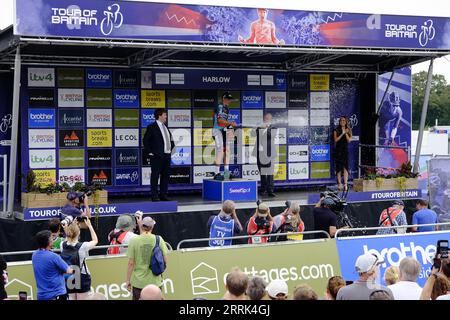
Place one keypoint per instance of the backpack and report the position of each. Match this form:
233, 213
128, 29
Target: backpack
116, 238
70, 254
157, 264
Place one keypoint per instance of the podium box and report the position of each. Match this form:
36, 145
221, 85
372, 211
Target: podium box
236, 190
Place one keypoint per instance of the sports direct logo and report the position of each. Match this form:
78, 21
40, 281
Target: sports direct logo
240, 190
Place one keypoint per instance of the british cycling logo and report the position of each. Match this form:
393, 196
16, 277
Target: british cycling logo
74, 17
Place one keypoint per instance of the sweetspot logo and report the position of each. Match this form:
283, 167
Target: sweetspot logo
239, 191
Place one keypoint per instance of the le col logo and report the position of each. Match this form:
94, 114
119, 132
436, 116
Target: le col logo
126, 137
240, 190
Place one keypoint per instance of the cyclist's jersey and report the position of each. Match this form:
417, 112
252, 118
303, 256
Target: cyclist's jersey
221, 112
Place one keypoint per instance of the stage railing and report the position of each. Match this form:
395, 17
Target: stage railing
339, 231
253, 236
360, 165
4, 183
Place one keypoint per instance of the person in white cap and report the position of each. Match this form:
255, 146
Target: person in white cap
367, 266
139, 254
277, 290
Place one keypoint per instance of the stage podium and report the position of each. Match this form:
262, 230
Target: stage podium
236, 190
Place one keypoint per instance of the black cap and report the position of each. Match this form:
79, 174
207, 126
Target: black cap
398, 203
227, 95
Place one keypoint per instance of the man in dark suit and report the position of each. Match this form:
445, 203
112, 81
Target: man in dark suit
266, 151
158, 143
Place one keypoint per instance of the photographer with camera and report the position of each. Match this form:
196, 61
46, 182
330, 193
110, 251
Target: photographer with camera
74, 253
289, 221
224, 225
324, 218
73, 207
259, 224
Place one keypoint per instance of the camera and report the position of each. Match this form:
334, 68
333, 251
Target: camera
84, 195
261, 221
81, 218
442, 252
66, 221
337, 205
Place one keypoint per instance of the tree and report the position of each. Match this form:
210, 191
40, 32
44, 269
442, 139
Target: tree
438, 104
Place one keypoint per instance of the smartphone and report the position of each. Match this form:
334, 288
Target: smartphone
23, 295
442, 248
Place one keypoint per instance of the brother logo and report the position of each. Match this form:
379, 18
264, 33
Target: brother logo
126, 96
98, 76
252, 98
41, 116
240, 190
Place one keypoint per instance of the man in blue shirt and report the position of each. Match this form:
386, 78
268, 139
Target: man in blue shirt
423, 215
49, 269
225, 224
73, 205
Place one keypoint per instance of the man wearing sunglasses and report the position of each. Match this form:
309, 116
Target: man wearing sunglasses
368, 267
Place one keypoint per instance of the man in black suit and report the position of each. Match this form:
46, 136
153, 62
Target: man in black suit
158, 143
266, 151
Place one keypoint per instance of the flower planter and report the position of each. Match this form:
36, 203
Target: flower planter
385, 184
43, 200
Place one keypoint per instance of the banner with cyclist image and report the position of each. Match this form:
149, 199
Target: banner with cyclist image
220, 24
6, 91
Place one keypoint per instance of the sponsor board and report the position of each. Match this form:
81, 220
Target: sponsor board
391, 249
235, 103
153, 99
147, 117
42, 159
179, 118
99, 98
126, 137
252, 99
146, 176
181, 156
181, 137
248, 155
253, 80
162, 78
298, 171
99, 118
70, 77
280, 136
320, 152
45, 177
298, 135
280, 81
71, 158
252, 118
235, 116
205, 98
99, 158
101, 177
298, 118
41, 77
236, 171
180, 175
281, 154
41, 138
203, 137
280, 172
320, 135
125, 79
99, 138
298, 153
146, 79
203, 172
41, 118
319, 82
71, 98
98, 78
204, 155
126, 98
177, 78
70, 118
127, 156
298, 99
71, 176
320, 100
126, 118
250, 172
279, 117
239, 190
298, 81
320, 170
203, 117
275, 99
267, 80
127, 177
383, 195
41, 97
178, 98
320, 118
71, 138
248, 136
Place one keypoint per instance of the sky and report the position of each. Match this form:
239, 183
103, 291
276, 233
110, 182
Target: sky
401, 7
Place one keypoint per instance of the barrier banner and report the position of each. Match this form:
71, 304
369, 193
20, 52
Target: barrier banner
202, 273
219, 24
380, 195
392, 248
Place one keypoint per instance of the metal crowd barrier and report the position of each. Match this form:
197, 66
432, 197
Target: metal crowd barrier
251, 236
4, 183
17, 253
339, 231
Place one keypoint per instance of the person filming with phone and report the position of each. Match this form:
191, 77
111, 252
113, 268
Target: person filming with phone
439, 276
